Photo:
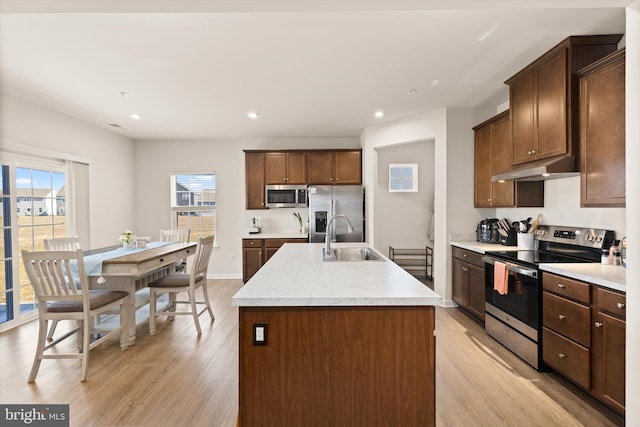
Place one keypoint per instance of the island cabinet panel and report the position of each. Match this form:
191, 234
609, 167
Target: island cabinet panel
338, 366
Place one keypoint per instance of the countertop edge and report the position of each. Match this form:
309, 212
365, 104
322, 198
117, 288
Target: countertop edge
338, 302
564, 270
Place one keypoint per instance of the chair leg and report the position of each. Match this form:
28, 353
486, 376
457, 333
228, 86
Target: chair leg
152, 311
86, 342
194, 309
124, 321
42, 336
52, 329
206, 300
172, 305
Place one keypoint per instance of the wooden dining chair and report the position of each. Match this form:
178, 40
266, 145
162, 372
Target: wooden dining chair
60, 244
176, 236
178, 282
54, 276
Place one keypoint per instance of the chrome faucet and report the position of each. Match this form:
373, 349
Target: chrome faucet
327, 238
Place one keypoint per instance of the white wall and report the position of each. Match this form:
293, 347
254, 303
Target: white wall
406, 216
111, 156
156, 160
453, 172
633, 212
562, 207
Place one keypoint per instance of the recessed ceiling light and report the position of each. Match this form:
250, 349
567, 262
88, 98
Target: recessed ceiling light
412, 91
378, 114
136, 116
253, 115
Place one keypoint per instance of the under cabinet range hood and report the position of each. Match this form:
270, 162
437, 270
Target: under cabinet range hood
539, 170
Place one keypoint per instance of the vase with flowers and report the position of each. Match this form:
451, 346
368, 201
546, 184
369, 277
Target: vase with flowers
127, 238
299, 219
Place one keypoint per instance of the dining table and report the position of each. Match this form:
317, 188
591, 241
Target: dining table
131, 270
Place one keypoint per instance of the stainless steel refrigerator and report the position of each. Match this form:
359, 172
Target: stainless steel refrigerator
326, 201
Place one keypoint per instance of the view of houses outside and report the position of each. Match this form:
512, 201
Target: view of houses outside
40, 204
194, 203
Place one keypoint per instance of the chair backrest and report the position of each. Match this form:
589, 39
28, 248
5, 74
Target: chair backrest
62, 244
202, 256
55, 275
178, 236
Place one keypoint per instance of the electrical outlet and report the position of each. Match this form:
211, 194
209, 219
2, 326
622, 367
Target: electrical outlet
259, 334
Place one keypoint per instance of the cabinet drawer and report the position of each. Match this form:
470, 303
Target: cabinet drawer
566, 357
611, 302
566, 287
467, 256
251, 243
566, 317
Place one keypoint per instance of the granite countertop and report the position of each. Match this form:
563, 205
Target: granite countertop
608, 276
297, 276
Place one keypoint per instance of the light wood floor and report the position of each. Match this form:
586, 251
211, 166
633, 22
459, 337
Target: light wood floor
177, 379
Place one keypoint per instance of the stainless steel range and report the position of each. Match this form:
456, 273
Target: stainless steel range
513, 316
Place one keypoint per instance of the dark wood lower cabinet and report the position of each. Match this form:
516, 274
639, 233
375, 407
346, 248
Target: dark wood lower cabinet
583, 337
338, 366
255, 252
468, 281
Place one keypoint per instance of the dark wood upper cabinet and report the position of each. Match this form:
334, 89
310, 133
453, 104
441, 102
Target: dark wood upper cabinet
337, 167
286, 168
255, 181
544, 98
602, 132
493, 153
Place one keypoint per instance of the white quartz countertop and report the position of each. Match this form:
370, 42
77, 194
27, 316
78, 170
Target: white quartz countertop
297, 276
608, 276
277, 234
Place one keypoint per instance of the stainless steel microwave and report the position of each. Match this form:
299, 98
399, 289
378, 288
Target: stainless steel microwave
286, 196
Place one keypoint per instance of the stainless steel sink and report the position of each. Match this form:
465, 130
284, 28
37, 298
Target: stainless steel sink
351, 255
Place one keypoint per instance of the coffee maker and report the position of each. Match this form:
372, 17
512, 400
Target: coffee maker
487, 231
255, 225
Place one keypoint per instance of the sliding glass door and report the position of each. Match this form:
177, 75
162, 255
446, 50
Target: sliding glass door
34, 207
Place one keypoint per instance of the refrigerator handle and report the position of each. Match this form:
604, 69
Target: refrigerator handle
333, 212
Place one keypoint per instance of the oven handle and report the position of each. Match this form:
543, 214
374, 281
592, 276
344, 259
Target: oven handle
512, 267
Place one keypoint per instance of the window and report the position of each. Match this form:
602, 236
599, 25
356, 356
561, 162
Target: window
193, 203
38, 194
403, 177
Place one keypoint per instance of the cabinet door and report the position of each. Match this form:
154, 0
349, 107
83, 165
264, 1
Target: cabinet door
483, 165
348, 168
502, 193
522, 118
609, 361
551, 82
254, 172
276, 169
251, 262
602, 136
296, 168
321, 167
460, 291
476, 291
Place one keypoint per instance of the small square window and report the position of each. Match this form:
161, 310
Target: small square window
403, 177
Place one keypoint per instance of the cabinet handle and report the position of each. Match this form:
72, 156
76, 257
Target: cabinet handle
598, 324
561, 356
561, 286
464, 255
620, 305
562, 316
465, 269
533, 151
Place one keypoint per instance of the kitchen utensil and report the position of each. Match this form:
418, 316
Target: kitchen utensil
535, 224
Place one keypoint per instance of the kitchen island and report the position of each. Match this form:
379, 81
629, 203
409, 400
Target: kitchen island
335, 343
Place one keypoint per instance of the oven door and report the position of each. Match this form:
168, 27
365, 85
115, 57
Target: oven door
522, 301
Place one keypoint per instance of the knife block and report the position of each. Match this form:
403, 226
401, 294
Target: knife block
511, 239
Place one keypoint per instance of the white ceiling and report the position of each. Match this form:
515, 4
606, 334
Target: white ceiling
194, 69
